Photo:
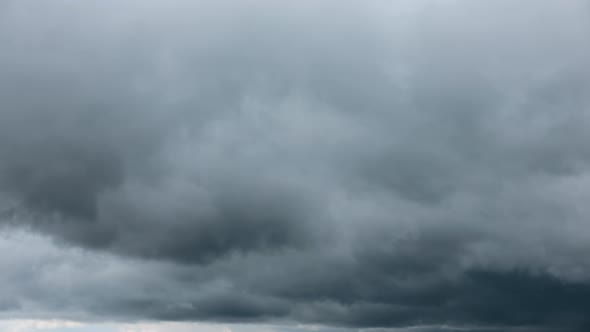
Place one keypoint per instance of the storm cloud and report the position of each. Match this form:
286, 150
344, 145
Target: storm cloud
354, 164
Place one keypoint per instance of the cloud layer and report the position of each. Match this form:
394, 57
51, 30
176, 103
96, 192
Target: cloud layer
347, 163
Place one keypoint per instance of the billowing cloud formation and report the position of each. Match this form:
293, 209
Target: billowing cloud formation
346, 163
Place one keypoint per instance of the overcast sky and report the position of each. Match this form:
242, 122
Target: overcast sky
291, 166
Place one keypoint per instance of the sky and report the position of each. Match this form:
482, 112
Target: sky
290, 166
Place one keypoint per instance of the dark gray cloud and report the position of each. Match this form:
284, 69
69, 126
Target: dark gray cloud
416, 163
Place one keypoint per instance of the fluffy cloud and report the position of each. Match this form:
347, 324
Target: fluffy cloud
343, 163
